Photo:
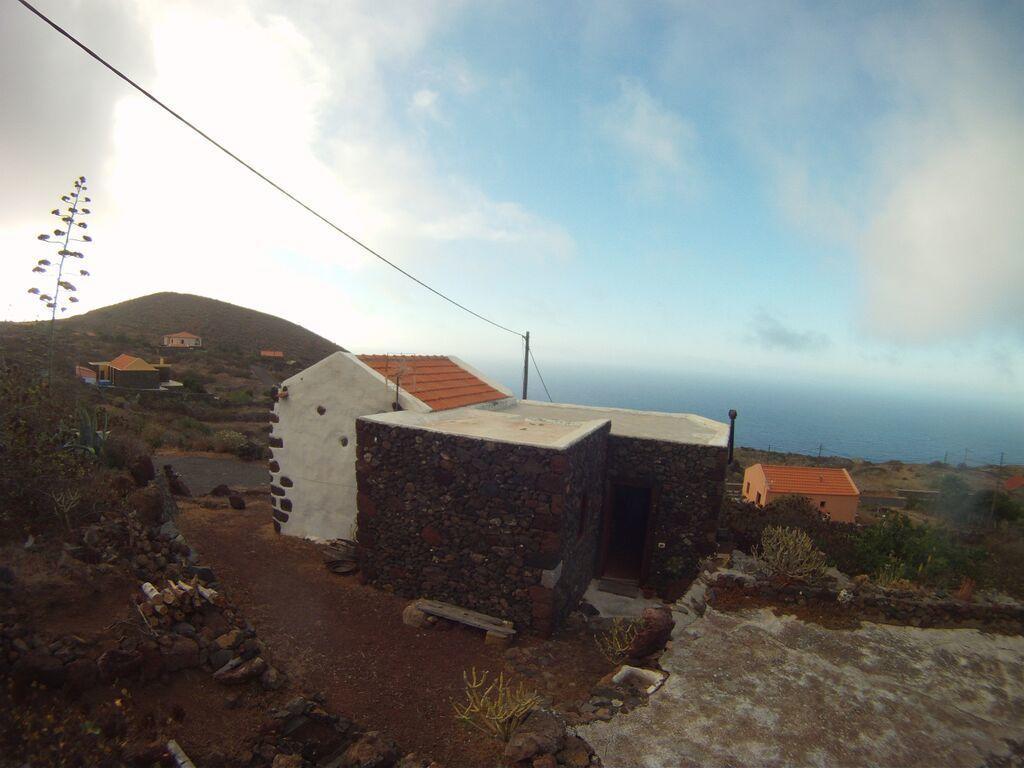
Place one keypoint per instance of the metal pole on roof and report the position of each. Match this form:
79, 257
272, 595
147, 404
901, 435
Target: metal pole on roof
526, 364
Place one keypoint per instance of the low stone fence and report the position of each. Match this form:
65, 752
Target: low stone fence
888, 606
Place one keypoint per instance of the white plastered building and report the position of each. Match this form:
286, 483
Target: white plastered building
313, 437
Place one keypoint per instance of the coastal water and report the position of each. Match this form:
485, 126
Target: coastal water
877, 425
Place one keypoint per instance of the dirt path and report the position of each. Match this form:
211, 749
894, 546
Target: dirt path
334, 635
204, 473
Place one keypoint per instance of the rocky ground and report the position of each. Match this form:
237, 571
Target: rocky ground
753, 688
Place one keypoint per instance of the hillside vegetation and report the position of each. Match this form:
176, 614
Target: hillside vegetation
224, 405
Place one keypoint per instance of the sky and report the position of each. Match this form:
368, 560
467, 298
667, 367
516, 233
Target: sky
824, 192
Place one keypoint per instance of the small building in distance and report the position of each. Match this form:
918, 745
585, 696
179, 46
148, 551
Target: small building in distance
128, 372
1014, 484
182, 340
85, 373
831, 491
274, 354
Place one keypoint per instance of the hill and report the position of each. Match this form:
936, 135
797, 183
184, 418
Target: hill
231, 334
224, 327
226, 381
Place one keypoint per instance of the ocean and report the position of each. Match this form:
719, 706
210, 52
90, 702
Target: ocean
804, 418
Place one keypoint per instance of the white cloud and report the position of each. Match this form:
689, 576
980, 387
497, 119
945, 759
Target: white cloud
656, 139
309, 99
895, 134
425, 103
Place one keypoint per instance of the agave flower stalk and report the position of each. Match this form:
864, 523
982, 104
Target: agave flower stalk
70, 217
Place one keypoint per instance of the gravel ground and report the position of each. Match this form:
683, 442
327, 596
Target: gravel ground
755, 689
331, 633
202, 473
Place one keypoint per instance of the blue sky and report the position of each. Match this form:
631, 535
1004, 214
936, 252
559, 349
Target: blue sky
819, 191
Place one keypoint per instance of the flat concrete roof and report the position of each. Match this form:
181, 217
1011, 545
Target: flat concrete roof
685, 428
496, 425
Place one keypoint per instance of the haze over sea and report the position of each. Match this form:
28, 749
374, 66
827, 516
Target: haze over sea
877, 425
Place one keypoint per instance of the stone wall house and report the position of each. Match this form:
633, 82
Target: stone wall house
490, 511
459, 492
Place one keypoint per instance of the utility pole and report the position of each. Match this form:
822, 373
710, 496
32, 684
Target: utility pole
526, 364
819, 450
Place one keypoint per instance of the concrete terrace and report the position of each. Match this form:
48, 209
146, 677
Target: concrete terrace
500, 426
684, 428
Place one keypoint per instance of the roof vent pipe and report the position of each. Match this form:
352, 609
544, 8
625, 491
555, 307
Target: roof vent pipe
732, 431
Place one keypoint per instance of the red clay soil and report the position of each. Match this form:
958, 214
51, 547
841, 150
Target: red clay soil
188, 706
331, 634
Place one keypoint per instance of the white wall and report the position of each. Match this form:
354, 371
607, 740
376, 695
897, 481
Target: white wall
322, 470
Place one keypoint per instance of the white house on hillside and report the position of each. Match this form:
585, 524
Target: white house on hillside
314, 434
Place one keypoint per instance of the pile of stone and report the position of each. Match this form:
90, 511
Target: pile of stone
544, 741
144, 537
29, 659
197, 627
303, 734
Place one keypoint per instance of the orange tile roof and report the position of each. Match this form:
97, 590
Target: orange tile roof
1013, 483
818, 481
182, 335
434, 379
271, 353
85, 372
129, 363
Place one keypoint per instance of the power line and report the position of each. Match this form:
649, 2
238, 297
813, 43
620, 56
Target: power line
246, 165
540, 377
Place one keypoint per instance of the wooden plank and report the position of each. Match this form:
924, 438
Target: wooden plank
466, 616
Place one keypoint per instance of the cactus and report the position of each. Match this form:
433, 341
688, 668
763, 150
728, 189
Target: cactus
789, 553
496, 709
614, 644
88, 438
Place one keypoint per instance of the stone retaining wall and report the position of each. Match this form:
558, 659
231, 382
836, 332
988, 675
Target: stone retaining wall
688, 484
490, 526
889, 606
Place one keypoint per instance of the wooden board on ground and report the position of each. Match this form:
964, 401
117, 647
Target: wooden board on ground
465, 616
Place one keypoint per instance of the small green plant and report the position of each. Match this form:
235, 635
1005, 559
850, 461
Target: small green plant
239, 397
88, 437
496, 709
789, 553
228, 441
64, 505
614, 643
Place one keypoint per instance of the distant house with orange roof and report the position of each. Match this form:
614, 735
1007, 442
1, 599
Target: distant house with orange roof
831, 491
1015, 483
272, 353
182, 340
129, 372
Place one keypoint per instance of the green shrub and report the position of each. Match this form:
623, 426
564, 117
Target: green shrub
790, 554
36, 423
228, 441
926, 554
191, 424
239, 396
746, 523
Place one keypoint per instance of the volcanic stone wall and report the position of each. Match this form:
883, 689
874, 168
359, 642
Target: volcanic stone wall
688, 483
486, 525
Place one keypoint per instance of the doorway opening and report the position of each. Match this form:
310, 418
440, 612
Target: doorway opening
625, 547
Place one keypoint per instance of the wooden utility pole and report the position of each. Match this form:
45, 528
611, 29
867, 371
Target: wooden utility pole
526, 364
